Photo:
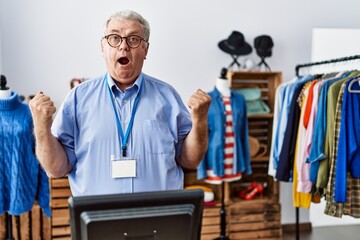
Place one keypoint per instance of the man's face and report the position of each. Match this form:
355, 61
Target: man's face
123, 63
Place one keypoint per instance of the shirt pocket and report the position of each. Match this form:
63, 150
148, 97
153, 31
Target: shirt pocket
157, 137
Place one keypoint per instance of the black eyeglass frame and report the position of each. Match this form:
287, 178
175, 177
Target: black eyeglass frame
122, 39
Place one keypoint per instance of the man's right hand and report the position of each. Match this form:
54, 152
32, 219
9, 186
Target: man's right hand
49, 151
42, 110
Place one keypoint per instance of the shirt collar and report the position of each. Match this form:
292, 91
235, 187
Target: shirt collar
113, 86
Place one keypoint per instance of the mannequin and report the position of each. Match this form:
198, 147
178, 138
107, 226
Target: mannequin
222, 84
228, 156
5, 92
23, 180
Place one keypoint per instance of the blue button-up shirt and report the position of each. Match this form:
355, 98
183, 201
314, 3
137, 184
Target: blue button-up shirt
86, 126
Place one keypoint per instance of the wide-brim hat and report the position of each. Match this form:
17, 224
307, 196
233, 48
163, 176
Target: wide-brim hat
235, 44
263, 45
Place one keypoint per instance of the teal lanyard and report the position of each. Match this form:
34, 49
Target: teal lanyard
124, 139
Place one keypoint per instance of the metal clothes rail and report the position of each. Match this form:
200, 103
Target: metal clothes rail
331, 61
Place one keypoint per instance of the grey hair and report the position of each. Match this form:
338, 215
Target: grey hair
131, 15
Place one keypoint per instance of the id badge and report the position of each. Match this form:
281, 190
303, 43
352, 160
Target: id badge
123, 168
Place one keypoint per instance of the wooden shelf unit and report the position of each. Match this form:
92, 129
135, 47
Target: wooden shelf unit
60, 215
259, 218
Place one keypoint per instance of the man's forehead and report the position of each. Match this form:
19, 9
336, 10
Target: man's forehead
121, 24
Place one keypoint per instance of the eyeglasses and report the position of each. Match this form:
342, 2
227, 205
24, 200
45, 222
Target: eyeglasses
133, 41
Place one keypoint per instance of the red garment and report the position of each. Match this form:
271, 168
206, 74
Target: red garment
308, 105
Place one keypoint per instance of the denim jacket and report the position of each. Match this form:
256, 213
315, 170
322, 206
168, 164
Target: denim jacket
214, 157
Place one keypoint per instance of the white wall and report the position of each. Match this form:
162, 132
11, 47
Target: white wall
330, 43
47, 43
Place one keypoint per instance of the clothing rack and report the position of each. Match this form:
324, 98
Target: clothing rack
332, 61
317, 64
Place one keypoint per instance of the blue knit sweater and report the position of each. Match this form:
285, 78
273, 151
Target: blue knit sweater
22, 180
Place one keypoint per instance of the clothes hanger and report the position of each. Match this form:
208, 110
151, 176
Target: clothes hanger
355, 80
356, 89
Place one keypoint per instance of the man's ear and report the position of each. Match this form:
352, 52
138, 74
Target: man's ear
102, 47
147, 50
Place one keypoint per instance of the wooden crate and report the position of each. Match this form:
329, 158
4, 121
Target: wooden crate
255, 219
260, 126
60, 219
271, 187
30, 225
211, 222
259, 218
266, 81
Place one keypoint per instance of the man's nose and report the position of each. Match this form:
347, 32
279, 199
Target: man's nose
124, 45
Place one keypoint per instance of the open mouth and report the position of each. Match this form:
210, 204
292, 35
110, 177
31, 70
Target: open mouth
123, 60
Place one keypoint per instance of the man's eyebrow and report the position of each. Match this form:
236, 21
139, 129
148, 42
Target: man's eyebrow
113, 31
133, 33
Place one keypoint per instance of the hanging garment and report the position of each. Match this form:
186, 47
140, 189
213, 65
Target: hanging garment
333, 208
278, 107
303, 168
282, 125
22, 180
311, 124
300, 199
214, 157
348, 158
287, 147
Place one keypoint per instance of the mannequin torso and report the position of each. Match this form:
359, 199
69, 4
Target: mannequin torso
222, 85
5, 92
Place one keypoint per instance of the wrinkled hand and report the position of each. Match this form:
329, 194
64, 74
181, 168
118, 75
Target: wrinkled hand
199, 104
42, 109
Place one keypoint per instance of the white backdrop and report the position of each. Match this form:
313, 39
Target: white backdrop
45, 43
330, 43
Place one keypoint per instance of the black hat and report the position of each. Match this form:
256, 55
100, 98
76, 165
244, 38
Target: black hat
263, 45
235, 44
